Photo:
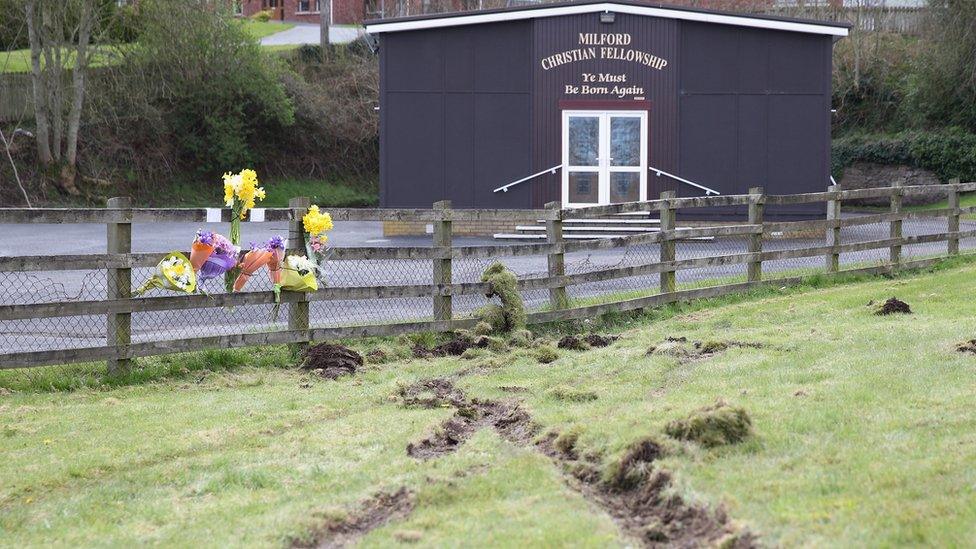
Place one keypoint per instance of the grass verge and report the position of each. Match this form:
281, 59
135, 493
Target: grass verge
862, 432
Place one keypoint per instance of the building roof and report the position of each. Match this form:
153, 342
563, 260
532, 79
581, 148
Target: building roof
652, 9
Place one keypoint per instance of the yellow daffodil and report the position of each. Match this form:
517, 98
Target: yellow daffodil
243, 189
316, 222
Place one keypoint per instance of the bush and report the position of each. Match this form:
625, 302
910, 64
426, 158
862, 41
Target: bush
263, 16
198, 90
949, 153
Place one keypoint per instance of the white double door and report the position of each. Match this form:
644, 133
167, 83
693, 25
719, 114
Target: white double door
604, 157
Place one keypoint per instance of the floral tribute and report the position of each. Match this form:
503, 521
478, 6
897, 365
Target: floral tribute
241, 193
254, 259
174, 272
222, 259
316, 223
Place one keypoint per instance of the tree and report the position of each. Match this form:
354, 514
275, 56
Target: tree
58, 30
325, 21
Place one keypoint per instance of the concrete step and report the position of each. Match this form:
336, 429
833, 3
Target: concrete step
572, 236
628, 222
594, 229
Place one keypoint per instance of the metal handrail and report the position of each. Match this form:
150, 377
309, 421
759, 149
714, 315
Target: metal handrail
551, 170
683, 180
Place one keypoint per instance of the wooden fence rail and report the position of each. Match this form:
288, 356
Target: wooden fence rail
118, 306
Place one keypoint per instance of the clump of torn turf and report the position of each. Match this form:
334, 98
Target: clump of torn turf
635, 466
510, 315
331, 361
569, 394
573, 343
546, 354
967, 347
711, 426
597, 340
430, 393
684, 350
894, 306
457, 346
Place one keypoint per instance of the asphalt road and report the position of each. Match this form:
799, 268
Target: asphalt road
19, 288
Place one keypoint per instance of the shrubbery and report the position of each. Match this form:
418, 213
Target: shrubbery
948, 153
263, 16
198, 91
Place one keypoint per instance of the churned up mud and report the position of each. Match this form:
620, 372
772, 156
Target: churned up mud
638, 496
370, 514
893, 306
331, 361
967, 347
455, 347
687, 351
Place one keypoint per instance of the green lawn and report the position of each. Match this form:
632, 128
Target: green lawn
325, 193
19, 60
864, 433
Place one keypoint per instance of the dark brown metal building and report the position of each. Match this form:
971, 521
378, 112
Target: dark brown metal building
588, 102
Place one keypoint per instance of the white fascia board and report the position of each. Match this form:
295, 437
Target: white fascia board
721, 19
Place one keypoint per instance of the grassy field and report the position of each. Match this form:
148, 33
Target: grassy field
19, 60
863, 433
322, 192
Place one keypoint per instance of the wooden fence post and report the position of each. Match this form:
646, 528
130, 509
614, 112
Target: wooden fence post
298, 311
833, 233
667, 242
442, 266
119, 286
895, 225
953, 246
756, 206
557, 260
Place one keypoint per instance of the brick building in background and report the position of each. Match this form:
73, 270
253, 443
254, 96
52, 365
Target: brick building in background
344, 12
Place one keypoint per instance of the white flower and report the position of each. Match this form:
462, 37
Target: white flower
300, 263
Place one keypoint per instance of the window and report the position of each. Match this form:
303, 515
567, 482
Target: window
238, 7
309, 6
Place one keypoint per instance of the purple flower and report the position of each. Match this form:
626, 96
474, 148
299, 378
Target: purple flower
205, 237
217, 264
276, 243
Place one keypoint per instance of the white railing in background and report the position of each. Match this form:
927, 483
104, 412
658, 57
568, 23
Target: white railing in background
707, 190
551, 170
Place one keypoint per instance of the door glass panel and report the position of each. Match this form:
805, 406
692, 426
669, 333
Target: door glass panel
584, 187
584, 140
625, 141
624, 187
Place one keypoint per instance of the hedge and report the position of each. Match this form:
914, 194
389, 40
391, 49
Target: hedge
948, 153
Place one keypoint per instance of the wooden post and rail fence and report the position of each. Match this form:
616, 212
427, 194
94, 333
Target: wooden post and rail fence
119, 260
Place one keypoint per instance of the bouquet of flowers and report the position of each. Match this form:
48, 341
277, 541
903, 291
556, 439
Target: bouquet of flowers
277, 247
220, 261
241, 193
202, 247
174, 273
254, 259
316, 224
298, 275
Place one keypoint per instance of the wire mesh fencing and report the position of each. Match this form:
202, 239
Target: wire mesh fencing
626, 268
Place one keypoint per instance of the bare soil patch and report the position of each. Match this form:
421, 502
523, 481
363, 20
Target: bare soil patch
894, 306
967, 347
687, 351
369, 515
331, 361
455, 347
638, 497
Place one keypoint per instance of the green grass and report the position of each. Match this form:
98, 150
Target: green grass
966, 200
863, 433
18, 61
259, 30
324, 193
